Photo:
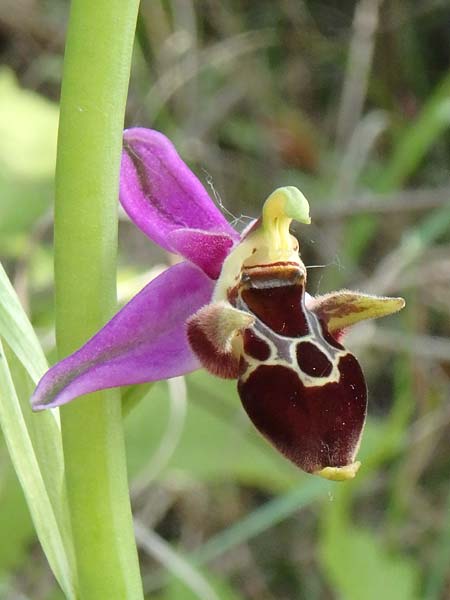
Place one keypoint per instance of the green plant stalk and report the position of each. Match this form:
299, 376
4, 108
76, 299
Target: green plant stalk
95, 82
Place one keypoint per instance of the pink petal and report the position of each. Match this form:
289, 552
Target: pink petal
160, 193
145, 341
206, 250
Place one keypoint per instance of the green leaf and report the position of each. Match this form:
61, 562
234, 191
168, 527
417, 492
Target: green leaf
33, 440
16, 525
23, 444
43, 428
17, 331
357, 562
44, 432
358, 566
23, 203
28, 130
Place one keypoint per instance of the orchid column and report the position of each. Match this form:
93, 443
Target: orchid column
96, 73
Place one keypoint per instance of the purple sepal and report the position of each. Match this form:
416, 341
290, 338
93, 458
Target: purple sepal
159, 191
206, 250
145, 341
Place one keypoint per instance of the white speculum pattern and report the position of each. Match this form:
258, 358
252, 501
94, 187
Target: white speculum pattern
283, 350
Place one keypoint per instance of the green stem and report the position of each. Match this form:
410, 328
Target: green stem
96, 73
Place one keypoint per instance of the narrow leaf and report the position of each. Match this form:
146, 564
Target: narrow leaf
15, 522
29, 473
43, 430
17, 331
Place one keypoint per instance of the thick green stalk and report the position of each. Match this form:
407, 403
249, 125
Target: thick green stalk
96, 73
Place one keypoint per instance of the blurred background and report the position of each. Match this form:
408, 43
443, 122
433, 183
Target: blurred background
349, 101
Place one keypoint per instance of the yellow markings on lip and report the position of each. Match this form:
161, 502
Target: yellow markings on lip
339, 473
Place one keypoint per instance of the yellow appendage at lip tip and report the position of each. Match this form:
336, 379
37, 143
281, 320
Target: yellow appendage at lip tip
339, 473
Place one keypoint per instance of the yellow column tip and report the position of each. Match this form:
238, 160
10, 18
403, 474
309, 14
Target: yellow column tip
288, 203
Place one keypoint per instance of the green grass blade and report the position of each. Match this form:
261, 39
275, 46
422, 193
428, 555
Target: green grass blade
43, 429
17, 331
418, 138
29, 472
174, 562
357, 562
414, 142
16, 525
261, 519
270, 514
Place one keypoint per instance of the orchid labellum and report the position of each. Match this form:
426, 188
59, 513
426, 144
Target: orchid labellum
237, 306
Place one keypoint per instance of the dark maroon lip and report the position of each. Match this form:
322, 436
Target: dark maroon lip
314, 427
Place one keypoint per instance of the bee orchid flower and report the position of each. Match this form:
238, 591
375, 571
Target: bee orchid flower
237, 306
